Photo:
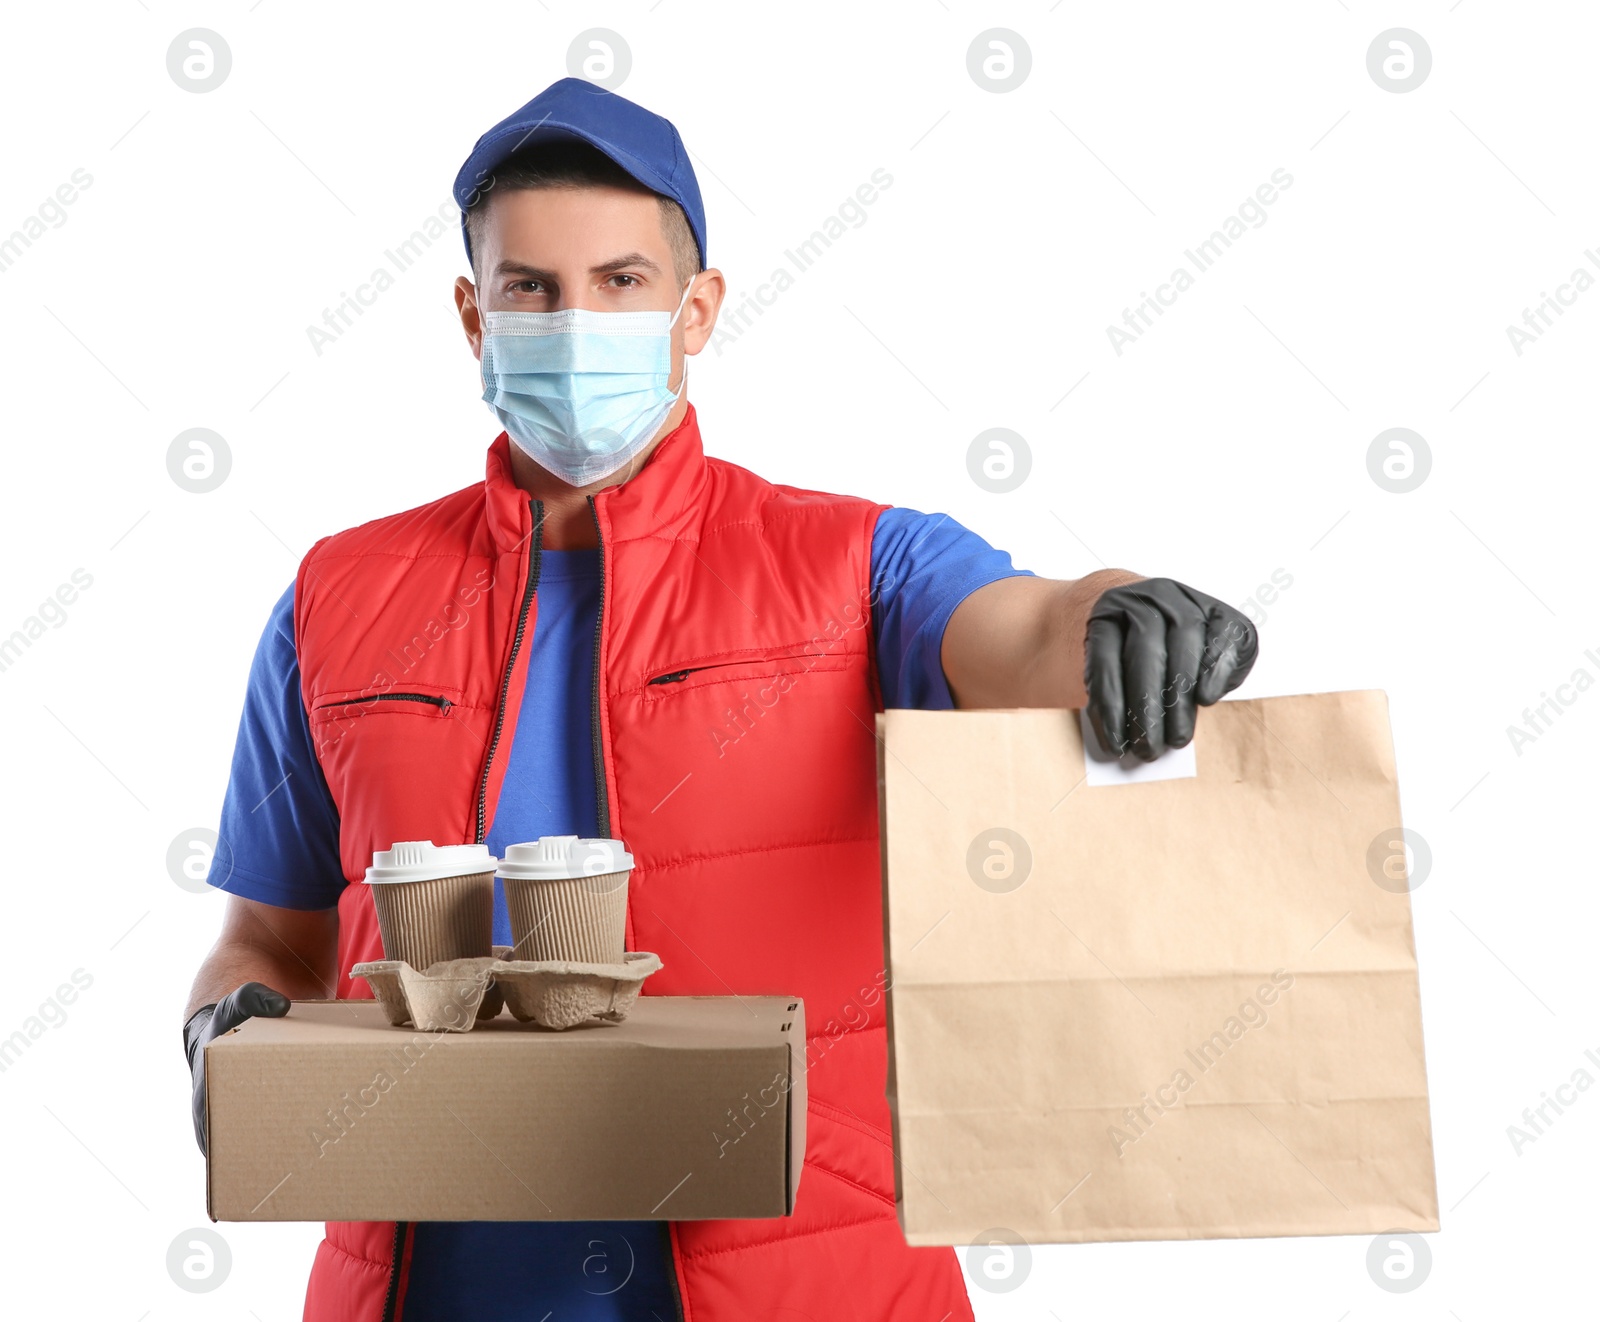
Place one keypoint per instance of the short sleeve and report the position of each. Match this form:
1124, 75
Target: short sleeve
278, 841
923, 567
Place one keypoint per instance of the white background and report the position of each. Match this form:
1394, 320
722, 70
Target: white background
1228, 443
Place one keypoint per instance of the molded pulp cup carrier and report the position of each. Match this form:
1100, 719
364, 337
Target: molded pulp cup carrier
568, 898
434, 902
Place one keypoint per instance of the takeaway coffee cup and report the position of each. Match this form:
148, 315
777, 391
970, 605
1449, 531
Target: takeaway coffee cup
434, 902
567, 897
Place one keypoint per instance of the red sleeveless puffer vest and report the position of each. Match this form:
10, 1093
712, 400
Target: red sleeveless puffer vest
745, 789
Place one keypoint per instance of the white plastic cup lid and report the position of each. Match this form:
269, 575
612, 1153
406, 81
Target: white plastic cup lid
422, 860
552, 857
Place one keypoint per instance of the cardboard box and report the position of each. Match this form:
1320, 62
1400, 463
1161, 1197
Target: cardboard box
1168, 1002
692, 1107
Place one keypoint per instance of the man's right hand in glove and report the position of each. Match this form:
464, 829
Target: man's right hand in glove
211, 1021
265, 956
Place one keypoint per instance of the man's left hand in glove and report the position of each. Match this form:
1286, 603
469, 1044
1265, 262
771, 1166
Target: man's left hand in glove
1141, 654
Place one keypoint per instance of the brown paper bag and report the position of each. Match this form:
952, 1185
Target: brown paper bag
1171, 1009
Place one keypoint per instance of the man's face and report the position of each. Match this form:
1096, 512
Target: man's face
602, 249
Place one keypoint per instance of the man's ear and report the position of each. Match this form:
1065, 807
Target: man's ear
466, 296
700, 312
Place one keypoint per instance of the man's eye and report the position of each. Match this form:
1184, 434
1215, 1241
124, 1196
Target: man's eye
631, 280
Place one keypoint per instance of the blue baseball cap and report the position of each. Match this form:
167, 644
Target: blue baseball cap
642, 143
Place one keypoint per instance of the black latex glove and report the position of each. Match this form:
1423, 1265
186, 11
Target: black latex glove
1155, 650
249, 1001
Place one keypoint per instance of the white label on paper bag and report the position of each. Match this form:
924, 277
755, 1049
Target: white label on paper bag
1100, 768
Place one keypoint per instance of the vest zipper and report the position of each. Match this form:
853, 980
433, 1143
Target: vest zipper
443, 704
392, 1294
602, 806
603, 811
677, 676
672, 1269
534, 552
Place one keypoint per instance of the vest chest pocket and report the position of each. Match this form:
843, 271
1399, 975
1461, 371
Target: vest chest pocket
780, 671
367, 701
334, 719
798, 700
404, 762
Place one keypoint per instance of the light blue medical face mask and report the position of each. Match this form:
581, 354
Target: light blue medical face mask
580, 392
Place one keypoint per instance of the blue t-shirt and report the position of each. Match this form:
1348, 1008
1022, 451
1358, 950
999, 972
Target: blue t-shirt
279, 844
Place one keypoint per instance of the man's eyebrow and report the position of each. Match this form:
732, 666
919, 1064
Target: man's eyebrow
623, 262
523, 269
632, 259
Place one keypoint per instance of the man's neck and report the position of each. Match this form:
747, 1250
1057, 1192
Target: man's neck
568, 523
